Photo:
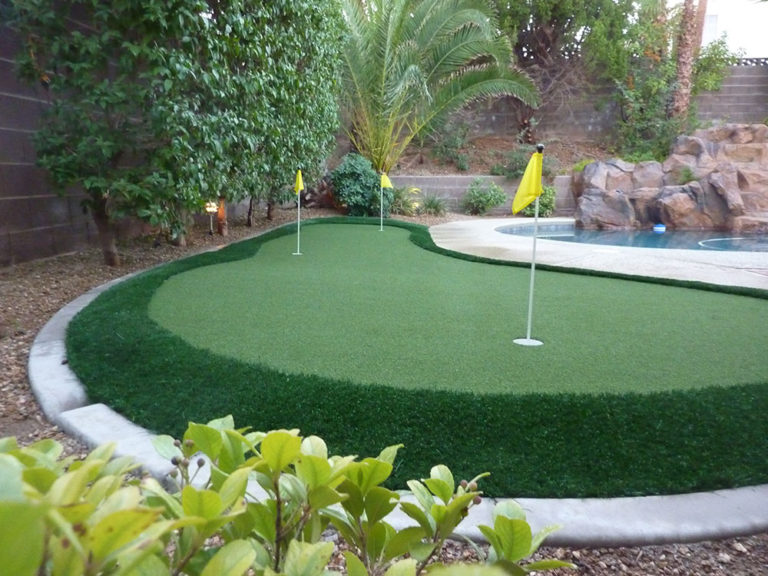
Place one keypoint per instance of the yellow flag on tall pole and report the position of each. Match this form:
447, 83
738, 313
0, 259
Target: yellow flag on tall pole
385, 181
299, 186
530, 186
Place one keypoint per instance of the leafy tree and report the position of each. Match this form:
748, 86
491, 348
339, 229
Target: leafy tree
554, 41
409, 63
254, 96
157, 107
95, 133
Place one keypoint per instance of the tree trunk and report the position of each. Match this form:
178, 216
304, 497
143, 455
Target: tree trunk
701, 18
685, 60
222, 226
270, 206
106, 231
249, 220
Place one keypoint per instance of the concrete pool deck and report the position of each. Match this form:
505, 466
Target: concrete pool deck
585, 521
480, 238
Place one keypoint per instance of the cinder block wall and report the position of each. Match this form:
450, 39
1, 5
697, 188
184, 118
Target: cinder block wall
35, 221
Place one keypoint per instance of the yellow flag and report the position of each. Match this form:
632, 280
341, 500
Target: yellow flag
299, 183
530, 186
385, 182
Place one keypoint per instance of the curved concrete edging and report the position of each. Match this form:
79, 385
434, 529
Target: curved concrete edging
585, 521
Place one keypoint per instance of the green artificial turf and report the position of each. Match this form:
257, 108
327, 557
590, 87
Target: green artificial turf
367, 340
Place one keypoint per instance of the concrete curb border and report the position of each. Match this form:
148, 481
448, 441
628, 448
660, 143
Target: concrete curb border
585, 522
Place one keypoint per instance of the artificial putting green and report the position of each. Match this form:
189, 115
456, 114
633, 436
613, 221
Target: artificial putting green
368, 340
373, 308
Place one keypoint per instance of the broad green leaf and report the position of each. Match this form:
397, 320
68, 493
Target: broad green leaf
454, 512
165, 447
323, 496
405, 567
379, 535
204, 503
126, 498
439, 488
305, 559
291, 488
225, 423
280, 449
339, 465
508, 509
443, 473
515, 536
103, 488
372, 472
66, 559
70, 488
102, 453
314, 471
379, 502
41, 479
424, 497
314, 446
355, 566
493, 540
234, 487
8, 444
150, 566
234, 558
402, 542
22, 532
511, 568
412, 510
207, 439
389, 454
118, 529
422, 550
231, 456
11, 478
541, 535
354, 501
264, 517
160, 497
550, 564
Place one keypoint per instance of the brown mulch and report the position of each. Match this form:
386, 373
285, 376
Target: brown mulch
31, 293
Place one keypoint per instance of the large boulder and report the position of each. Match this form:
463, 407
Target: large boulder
648, 175
716, 178
725, 181
605, 210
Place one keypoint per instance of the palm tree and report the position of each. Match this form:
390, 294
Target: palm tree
410, 63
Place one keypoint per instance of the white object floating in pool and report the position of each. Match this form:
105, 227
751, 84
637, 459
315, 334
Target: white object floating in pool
659, 228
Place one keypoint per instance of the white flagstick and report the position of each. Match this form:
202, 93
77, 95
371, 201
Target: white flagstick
381, 208
298, 187
298, 229
528, 341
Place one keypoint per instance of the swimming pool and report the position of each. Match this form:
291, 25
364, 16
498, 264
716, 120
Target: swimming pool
671, 239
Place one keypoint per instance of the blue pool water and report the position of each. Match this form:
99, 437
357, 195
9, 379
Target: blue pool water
677, 239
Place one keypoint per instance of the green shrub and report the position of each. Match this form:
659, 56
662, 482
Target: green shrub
448, 144
403, 201
356, 186
481, 196
581, 164
433, 205
62, 516
546, 203
686, 175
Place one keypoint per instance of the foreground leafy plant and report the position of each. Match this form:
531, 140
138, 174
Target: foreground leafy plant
240, 501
